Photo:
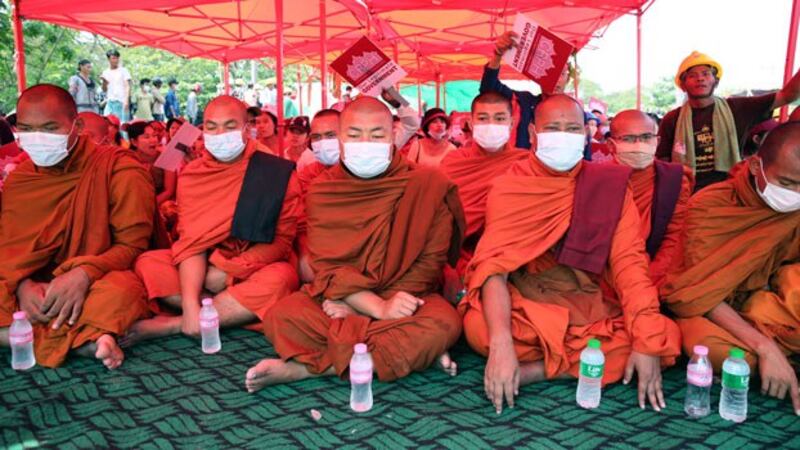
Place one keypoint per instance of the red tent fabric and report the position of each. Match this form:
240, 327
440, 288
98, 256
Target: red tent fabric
433, 38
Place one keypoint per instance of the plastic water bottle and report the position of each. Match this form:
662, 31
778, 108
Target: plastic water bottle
699, 376
361, 379
735, 382
590, 381
20, 336
209, 327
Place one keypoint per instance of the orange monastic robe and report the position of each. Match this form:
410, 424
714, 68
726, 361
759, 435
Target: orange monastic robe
736, 249
387, 234
473, 169
258, 273
642, 183
556, 309
93, 211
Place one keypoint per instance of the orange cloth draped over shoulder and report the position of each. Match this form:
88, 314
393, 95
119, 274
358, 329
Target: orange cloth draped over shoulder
305, 177
732, 247
643, 185
93, 211
386, 234
556, 309
258, 274
473, 169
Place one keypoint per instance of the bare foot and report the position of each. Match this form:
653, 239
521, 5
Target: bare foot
447, 364
158, 326
274, 371
337, 309
105, 349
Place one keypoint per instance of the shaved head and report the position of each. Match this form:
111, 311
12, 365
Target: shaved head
224, 114
632, 121
559, 113
780, 156
48, 109
365, 119
95, 126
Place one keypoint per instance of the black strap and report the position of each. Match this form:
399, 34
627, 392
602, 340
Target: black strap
261, 198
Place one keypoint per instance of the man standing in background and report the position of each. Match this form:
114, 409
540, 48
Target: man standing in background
117, 86
83, 88
158, 100
172, 108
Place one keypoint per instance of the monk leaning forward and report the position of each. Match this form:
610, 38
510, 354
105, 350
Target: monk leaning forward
75, 217
237, 213
562, 261
379, 232
737, 281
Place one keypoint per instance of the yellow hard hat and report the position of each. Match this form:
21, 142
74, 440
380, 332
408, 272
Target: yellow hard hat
697, 59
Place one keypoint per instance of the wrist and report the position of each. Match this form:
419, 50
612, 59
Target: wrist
501, 340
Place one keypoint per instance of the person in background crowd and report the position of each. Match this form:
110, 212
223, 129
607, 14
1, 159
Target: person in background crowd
146, 148
756, 136
289, 105
191, 104
297, 138
115, 132
144, 101
83, 88
435, 146
158, 100
266, 131
117, 86
707, 133
172, 107
173, 125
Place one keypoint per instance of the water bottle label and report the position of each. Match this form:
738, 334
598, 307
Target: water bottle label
591, 370
210, 323
732, 381
361, 376
701, 378
16, 339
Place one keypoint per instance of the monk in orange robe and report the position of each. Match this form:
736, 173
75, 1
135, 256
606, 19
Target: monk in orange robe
379, 232
237, 214
324, 153
75, 217
661, 190
737, 278
562, 261
474, 168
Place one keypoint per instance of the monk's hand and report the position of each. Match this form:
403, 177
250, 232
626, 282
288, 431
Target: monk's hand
505, 42
215, 279
501, 377
648, 369
337, 309
190, 323
30, 295
401, 305
65, 296
777, 375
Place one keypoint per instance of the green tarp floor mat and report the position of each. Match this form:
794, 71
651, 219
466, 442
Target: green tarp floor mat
168, 394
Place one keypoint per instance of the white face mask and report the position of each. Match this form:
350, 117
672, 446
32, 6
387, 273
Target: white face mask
637, 156
491, 137
558, 150
438, 136
326, 151
45, 149
367, 159
226, 146
779, 198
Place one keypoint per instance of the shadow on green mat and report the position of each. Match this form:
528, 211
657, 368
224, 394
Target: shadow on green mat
168, 394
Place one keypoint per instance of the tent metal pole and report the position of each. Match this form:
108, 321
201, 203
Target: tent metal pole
279, 71
790, 51
19, 46
639, 59
323, 57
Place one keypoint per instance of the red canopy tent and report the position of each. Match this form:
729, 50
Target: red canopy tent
434, 40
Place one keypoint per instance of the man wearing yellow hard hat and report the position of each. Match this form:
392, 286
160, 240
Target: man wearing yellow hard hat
707, 132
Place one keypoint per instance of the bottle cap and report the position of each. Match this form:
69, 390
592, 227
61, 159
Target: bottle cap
593, 343
737, 353
20, 315
208, 302
701, 350
360, 348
